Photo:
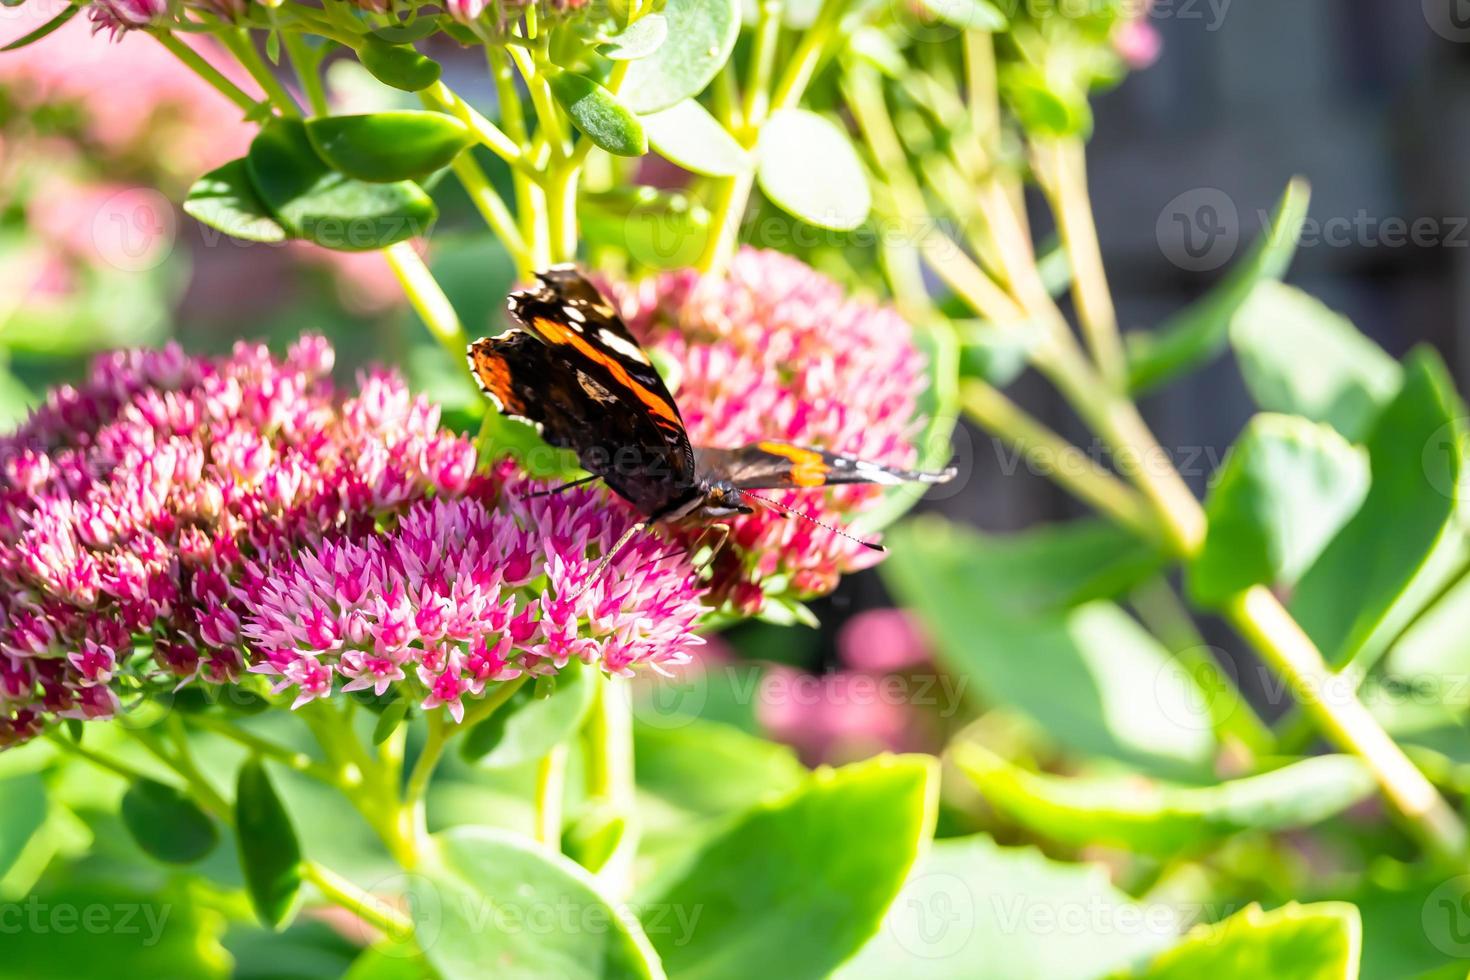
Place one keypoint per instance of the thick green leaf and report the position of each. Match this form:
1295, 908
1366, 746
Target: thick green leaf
973, 910
387, 962
977, 15
1301, 358
606, 121
808, 168
389, 720
638, 40
997, 608
225, 199
166, 824
798, 885
527, 727
1411, 928
387, 146
1321, 941
658, 230
22, 814
689, 136
1200, 332
1287, 487
93, 928
313, 201
398, 66
1149, 817
695, 779
1046, 105
1375, 574
1432, 658
270, 853
701, 35
499, 903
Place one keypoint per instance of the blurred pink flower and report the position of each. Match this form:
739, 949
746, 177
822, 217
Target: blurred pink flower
1137, 41
882, 641
838, 717
776, 350
127, 92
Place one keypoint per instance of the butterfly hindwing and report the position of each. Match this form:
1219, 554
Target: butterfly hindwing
773, 465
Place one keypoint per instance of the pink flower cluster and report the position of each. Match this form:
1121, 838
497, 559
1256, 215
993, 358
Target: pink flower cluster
776, 350
461, 594
241, 512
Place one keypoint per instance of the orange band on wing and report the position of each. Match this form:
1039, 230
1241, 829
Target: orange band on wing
808, 469
554, 333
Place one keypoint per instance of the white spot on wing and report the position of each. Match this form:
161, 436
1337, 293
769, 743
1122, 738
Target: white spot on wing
623, 346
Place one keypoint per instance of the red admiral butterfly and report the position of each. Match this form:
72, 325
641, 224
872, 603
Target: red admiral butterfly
571, 368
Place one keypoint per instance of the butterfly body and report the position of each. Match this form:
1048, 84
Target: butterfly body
570, 367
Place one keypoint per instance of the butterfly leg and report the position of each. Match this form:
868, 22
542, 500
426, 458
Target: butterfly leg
552, 491
608, 558
721, 532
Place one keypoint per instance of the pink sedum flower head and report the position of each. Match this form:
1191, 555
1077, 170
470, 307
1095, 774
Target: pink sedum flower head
118, 16
177, 519
776, 350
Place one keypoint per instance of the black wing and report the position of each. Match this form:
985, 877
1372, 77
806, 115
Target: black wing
779, 465
574, 371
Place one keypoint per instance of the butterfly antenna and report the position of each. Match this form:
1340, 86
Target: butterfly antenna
872, 545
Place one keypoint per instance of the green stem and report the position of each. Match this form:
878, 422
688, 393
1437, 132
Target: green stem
814, 46
290, 758
728, 211
1064, 171
426, 297
1066, 464
206, 71
610, 778
492, 208
96, 758
1230, 715
306, 62
369, 908
561, 213
762, 60
440, 97
1261, 619
242, 46
551, 776
204, 794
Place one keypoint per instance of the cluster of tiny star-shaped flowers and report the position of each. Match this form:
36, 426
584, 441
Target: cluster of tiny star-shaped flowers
177, 519
773, 349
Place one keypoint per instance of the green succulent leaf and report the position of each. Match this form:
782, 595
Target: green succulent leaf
21, 817
700, 36
225, 199
606, 121
638, 40
1201, 331
1396, 551
383, 147
1148, 817
810, 169
973, 910
526, 727
969, 15
517, 881
167, 824
1321, 941
398, 66
688, 135
796, 887
315, 202
270, 852
1301, 358
1285, 490
1024, 618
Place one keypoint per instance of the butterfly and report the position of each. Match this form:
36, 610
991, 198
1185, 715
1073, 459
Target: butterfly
570, 367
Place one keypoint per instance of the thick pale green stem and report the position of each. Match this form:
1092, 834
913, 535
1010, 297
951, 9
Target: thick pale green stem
305, 62
610, 779
242, 46
427, 299
1260, 618
551, 777
369, 908
439, 96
